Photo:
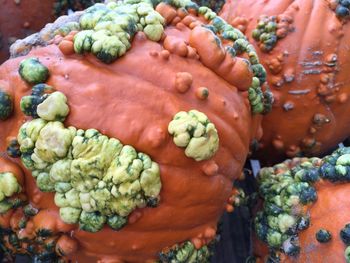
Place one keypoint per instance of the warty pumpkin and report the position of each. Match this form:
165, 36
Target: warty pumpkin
20, 18
303, 45
304, 215
130, 126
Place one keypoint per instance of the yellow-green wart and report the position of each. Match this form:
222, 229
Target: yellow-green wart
96, 179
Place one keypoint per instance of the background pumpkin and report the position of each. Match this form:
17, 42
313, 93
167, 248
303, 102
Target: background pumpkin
21, 18
303, 217
187, 54
304, 47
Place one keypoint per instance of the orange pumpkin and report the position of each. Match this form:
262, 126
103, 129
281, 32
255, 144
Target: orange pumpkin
299, 220
303, 44
177, 95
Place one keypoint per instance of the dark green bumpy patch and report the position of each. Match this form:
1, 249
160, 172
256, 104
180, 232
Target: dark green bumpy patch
265, 33
345, 234
260, 101
6, 105
343, 9
13, 149
30, 103
212, 4
32, 71
9, 187
289, 185
186, 252
40, 247
323, 236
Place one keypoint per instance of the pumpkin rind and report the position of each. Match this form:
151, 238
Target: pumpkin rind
302, 45
326, 234
140, 93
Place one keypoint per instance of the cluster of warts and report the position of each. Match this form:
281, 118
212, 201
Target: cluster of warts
270, 29
102, 35
186, 253
287, 190
342, 9
41, 245
96, 179
107, 32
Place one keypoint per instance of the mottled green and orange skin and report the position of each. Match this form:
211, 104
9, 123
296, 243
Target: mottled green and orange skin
319, 230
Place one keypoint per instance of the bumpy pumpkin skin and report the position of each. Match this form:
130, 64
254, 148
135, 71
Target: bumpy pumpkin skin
134, 99
323, 212
311, 91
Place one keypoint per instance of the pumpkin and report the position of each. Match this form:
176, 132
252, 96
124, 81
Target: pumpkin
19, 19
303, 46
131, 130
299, 220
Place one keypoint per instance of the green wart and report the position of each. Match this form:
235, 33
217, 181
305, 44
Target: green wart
96, 179
194, 131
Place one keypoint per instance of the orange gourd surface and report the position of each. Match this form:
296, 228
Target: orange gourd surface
304, 216
304, 48
134, 99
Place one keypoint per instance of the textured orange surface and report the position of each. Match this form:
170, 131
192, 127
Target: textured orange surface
134, 99
310, 113
329, 212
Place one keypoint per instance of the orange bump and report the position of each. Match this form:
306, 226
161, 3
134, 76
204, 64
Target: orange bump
66, 47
